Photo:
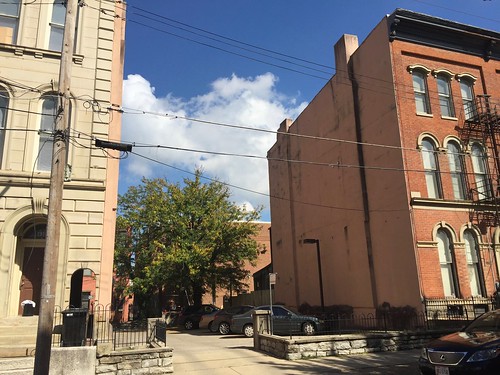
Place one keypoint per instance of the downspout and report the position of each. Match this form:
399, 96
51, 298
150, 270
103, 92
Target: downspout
292, 221
364, 190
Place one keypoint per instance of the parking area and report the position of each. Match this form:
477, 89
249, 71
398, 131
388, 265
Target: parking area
202, 352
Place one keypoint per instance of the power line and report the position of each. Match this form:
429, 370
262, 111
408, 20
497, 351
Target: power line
267, 54
266, 194
227, 51
236, 41
123, 110
293, 161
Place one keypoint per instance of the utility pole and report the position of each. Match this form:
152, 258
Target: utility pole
51, 257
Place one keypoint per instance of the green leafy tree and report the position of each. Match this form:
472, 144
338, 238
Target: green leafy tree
184, 239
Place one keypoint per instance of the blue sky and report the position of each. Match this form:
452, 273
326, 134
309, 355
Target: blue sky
230, 62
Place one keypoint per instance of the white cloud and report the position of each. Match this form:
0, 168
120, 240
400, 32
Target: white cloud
251, 102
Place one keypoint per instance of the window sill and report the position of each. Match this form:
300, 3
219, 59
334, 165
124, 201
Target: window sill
449, 118
423, 114
446, 204
37, 52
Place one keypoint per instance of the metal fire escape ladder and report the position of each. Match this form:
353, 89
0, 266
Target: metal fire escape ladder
482, 123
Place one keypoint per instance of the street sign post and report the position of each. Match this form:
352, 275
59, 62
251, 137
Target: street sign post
272, 281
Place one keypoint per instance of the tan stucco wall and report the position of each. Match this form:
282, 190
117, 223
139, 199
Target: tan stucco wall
326, 201
90, 196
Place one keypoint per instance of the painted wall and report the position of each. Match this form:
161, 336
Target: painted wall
360, 189
90, 195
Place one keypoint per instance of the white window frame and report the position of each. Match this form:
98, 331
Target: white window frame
455, 160
9, 21
473, 263
446, 261
467, 93
56, 28
445, 95
421, 89
46, 129
483, 184
431, 168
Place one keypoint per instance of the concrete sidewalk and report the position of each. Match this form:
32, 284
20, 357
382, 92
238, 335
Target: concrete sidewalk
234, 355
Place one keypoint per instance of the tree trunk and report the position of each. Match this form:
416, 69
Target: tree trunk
197, 294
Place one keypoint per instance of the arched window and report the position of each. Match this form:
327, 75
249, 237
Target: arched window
447, 263
4, 107
57, 25
445, 97
467, 91
473, 264
420, 90
431, 167
46, 139
9, 21
479, 161
455, 159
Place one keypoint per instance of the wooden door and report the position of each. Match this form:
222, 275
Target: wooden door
31, 280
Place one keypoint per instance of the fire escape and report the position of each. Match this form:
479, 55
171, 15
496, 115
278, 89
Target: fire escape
482, 123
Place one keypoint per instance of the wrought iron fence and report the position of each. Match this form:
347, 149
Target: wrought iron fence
80, 327
438, 311
353, 323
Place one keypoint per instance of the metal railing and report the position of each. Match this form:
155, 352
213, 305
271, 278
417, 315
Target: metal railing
354, 323
81, 327
461, 309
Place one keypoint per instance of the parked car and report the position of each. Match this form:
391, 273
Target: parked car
284, 322
207, 320
190, 316
222, 318
473, 350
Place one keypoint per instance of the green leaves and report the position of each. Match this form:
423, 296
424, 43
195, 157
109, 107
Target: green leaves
180, 238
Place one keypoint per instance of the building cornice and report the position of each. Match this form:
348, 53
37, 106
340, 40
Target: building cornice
437, 32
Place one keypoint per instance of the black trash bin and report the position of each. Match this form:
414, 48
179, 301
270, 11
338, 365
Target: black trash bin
28, 308
74, 327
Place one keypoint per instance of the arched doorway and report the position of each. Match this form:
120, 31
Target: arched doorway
32, 247
83, 289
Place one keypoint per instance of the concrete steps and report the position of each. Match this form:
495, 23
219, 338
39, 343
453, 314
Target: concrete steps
18, 336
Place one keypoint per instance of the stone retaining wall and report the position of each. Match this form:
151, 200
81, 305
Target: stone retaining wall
322, 346
137, 361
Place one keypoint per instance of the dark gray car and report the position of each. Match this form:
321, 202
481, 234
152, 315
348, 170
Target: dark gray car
222, 318
284, 322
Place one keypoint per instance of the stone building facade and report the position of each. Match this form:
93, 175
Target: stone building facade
30, 54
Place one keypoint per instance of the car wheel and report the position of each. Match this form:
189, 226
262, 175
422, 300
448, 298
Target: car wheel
248, 330
308, 329
224, 328
189, 324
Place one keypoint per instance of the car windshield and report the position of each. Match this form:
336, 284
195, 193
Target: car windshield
486, 322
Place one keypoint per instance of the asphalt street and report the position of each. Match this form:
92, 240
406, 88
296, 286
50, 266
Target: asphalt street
202, 352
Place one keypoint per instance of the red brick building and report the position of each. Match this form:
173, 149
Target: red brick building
393, 172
